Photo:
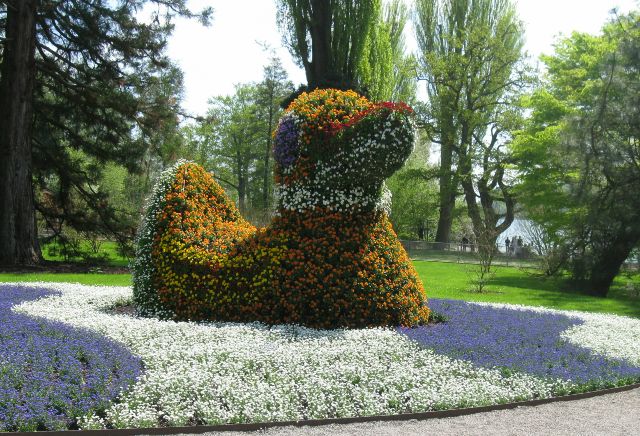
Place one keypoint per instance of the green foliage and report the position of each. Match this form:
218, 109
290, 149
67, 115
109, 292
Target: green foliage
238, 138
97, 200
471, 58
579, 150
327, 38
414, 196
385, 70
91, 252
376, 67
235, 140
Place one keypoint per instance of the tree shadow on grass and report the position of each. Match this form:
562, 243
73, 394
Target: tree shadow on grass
553, 292
536, 283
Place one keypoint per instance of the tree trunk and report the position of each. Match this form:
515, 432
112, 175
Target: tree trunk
242, 185
18, 231
321, 67
607, 265
445, 219
447, 195
267, 153
266, 177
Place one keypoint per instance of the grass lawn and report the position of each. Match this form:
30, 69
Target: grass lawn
518, 286
442, 280
84, 279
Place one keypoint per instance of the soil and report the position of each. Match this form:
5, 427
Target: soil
123, 310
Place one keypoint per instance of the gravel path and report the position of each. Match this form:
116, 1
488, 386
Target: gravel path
611, 414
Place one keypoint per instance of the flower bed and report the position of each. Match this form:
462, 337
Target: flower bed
50, 372
524, 340
233, 373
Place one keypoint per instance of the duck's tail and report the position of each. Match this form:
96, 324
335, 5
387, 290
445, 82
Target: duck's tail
190, 227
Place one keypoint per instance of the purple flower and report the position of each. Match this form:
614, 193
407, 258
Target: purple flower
51, 373
518, 340
285, 149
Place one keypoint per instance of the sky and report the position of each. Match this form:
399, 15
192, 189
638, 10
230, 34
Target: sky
230, 51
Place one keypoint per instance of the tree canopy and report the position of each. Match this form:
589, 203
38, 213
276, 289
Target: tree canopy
579, 152
93, 79
235, 140
386, 71
470, 54
327, 37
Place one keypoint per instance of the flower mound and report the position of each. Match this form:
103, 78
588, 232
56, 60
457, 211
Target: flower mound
191, 225
330, 257
51, 373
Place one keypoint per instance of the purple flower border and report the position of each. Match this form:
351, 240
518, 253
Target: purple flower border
51, 373
518, 340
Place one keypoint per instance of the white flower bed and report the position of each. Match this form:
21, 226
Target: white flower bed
229, 373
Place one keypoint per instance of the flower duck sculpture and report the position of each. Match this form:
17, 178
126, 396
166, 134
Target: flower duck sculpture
328, 259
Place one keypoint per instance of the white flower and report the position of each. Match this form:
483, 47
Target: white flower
224, 372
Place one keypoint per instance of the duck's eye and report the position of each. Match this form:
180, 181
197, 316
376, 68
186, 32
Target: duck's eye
286, 149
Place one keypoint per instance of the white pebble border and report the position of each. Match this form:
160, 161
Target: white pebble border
235, 373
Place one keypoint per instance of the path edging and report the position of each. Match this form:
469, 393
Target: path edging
318, 422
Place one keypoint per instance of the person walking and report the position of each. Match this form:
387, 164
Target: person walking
465, 242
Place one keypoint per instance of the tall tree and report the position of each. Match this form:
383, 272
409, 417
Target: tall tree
77, 193
581, 150
327, 37
237, 137
76, 70
18, 235
386, 71
272, 90
469, 53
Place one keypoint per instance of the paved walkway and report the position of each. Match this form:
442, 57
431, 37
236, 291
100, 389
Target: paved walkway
611, 414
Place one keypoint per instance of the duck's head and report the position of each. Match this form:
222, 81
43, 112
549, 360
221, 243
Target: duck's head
334, 149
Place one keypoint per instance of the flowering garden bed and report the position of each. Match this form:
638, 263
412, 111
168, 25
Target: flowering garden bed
67, 360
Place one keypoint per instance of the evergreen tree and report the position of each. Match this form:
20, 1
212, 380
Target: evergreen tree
74, 76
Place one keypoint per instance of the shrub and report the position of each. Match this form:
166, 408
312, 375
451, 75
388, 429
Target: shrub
329, 258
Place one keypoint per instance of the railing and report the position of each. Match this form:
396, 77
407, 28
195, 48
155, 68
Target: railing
467, 252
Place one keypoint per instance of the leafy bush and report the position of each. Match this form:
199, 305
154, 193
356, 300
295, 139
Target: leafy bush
328, 259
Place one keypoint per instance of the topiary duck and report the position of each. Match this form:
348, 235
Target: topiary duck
328, 259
